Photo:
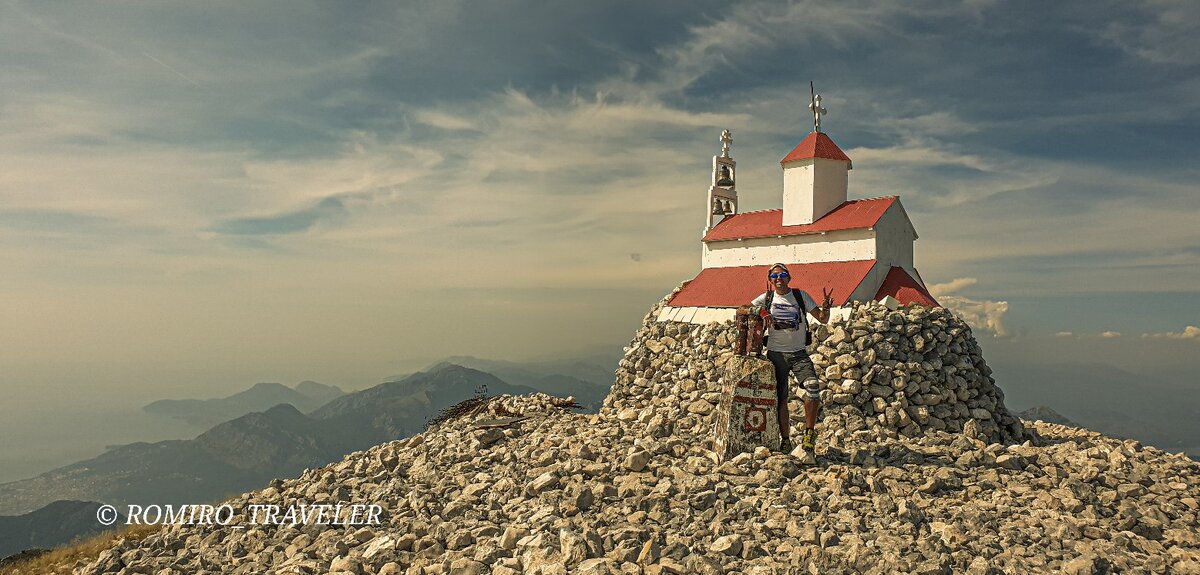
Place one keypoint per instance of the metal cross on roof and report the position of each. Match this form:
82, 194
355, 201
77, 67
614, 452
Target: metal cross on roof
726, 141
817, 110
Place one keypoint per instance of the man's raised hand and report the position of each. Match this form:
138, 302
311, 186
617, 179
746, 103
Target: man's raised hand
827, 300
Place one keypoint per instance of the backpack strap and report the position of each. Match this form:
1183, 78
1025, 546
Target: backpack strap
766, 313
804, 316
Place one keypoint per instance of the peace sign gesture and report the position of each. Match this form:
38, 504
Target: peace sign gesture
827, 300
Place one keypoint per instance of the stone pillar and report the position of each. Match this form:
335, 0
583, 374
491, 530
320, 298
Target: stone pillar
748, 415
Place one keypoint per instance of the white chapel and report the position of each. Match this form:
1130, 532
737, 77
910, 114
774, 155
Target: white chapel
860, 249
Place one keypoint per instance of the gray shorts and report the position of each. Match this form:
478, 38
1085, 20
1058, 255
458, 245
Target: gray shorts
799, 364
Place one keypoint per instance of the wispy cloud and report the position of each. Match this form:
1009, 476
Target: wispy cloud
442, 120
1107, 334
287, 223
172, 69
1162, 32
954, 285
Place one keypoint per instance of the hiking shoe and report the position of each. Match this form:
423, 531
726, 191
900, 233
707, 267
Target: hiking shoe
786, 445
809, 440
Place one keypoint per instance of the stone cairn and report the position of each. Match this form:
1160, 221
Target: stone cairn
885, 373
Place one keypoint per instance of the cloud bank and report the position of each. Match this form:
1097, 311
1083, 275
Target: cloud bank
982, 315
1189, 332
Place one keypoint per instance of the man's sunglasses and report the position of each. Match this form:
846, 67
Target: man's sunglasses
779, 275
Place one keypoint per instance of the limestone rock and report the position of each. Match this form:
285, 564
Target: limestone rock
728, 544
637, 460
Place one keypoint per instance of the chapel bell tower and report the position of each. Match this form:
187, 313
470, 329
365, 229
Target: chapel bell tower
722, 194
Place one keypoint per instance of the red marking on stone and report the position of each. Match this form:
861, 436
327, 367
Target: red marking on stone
755, 420
748, 385
754, 400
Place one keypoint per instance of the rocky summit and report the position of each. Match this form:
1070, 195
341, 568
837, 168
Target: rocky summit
886, 372
919, 469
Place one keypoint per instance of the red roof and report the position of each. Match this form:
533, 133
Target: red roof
816, 145
851, 215
903, 287
735, 286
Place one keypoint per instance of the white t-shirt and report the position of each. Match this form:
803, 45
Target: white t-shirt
785, 313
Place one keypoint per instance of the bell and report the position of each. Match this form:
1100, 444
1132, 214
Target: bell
718, 208
724, 178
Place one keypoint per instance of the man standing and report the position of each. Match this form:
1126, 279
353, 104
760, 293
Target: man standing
787, 338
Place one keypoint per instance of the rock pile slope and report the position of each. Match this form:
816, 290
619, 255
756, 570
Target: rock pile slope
526, 486
568, 493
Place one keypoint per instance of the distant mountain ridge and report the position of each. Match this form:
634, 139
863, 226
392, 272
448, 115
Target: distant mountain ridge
1107, 399
1045, 413
305, 396
588, 380
246, 452
398, 409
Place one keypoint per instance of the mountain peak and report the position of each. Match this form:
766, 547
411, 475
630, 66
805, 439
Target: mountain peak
449, 366
283, 410
1045, 413
269, 385
920, 467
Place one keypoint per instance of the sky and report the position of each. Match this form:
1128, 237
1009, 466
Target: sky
198, 196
